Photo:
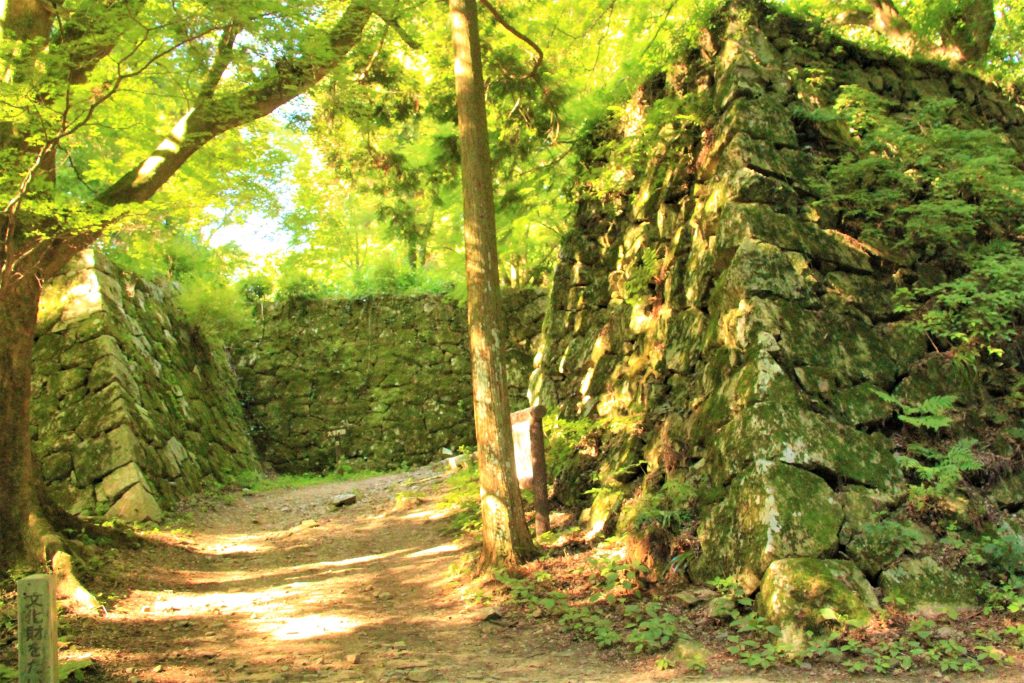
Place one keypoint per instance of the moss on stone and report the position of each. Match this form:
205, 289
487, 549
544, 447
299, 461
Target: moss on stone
1009, 490
860, 405
774, 511
117, 378
937, 374
793, 434
801, 594
921, 585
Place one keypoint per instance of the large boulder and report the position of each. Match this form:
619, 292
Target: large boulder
775, 511
137, 504
921, 585
801, 594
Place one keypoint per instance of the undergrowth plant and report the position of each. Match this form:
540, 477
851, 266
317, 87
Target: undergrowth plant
943, 197
612, 615
878, 648
671, 507
464, 494
936, 471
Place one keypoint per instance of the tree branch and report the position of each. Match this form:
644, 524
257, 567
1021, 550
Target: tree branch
968, 29
78, 36
217, 114
220, 63
512, 29
392, 22
966, 32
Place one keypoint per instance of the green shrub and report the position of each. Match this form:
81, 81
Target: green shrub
946, 199
670, 507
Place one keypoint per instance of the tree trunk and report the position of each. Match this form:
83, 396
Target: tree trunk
506, 537
18, 304
968, 29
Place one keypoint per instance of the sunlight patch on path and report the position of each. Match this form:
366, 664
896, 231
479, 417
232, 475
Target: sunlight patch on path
431, 515
436, 550
310, 626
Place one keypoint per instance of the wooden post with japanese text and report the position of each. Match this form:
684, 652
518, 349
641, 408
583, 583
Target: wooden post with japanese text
37, 629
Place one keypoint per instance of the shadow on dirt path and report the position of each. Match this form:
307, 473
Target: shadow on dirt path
281, 586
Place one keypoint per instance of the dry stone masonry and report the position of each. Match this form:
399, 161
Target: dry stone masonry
376, 382
728, 337
132, 407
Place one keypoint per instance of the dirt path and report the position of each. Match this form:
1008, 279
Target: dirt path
281, 586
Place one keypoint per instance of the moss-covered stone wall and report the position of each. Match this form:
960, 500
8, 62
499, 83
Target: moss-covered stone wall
724, 336
132, 407
374, 382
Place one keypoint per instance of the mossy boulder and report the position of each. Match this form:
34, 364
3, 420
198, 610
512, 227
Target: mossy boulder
795, 435
136, 504
602, 515
756, 269
921, 585
775, 511
881, 542
860, 405
801, 594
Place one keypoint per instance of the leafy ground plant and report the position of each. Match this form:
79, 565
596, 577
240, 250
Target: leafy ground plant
611, 601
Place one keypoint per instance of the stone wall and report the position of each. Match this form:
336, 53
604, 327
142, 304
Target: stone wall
726, 334
132, 408
375, 382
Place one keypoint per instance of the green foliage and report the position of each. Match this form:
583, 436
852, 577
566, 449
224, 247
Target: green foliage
932, 413
464, 494
886, 650
670, 507
1002, 552
203, 275
217, 308
638, 283
75, 670
650, 627
946, 197
939, 473
614, 615
889, 533
256, 287
67, 671
563, 438
254, 481
1006, 596
983, 305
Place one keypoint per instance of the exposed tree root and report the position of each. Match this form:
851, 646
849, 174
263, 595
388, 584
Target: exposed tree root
47, 546
80, 600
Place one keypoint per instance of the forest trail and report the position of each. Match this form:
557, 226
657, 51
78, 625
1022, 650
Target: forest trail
282, 586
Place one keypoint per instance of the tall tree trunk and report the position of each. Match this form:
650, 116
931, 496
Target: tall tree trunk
27, 516
506, 538
18, 303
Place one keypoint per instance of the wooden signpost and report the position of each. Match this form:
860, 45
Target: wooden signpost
37, 629
531, 468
